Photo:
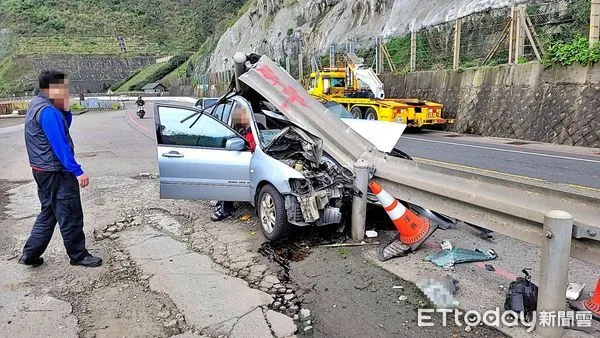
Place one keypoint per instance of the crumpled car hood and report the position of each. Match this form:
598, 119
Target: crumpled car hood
291, 99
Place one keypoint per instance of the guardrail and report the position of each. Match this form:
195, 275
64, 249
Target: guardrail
526, 212
508, 207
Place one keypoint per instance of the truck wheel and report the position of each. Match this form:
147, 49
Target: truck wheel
356, 112
371, 114
272, 214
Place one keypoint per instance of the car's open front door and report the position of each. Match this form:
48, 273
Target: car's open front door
208, 161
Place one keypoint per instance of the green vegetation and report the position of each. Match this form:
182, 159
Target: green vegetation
119, 84
576, 50
85, 45
140, 78
77, 108
153, 73
172, 25
343, 252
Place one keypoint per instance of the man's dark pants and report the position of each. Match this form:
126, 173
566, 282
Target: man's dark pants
59, 195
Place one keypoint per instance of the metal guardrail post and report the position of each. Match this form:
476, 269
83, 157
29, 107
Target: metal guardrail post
554, 270
239, 67
359, 203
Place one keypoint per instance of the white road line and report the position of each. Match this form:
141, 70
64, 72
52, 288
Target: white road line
503, 150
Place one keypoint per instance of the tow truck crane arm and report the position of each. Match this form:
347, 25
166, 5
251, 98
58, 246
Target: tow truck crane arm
356, 67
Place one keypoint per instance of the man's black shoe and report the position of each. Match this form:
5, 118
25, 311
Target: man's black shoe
89, 261
31, 261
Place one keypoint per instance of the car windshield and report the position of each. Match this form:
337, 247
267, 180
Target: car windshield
338, 110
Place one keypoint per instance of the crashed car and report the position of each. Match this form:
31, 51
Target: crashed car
288, 177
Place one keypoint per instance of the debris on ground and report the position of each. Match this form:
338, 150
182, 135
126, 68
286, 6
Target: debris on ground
341, 245
109, 231
148, 175
448, 258
574, 291
245, 217
371, 233
402, 298
398, 287
446, 245
483, 232
452, 284
490, 267
438, 293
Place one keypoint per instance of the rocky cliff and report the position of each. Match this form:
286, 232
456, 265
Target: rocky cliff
276, 27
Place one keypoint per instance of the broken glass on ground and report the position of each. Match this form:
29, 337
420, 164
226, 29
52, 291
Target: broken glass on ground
447, 258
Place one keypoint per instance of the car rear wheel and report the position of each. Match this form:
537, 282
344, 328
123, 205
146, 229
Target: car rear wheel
371, 114
356, 112
272, 214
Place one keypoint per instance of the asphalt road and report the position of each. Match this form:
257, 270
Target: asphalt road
574, 166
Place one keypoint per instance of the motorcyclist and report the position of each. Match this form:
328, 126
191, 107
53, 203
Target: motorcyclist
140, 102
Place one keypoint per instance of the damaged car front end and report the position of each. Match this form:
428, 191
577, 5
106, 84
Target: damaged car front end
326, 187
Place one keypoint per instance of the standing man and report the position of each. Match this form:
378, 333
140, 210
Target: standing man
57, 174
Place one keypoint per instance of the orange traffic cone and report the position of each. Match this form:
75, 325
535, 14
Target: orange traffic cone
414, 230
593, 304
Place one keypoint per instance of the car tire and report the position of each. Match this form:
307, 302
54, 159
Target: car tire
272, 215
356, 113
371, 114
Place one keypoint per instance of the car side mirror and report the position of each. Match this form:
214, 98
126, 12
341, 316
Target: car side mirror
235, 144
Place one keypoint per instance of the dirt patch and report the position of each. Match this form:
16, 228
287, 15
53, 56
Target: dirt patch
352, 297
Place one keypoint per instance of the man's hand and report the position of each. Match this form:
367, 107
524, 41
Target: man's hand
84, 180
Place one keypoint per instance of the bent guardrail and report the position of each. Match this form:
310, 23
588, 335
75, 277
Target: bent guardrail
511, 208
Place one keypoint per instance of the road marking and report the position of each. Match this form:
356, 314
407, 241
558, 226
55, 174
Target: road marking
503, 150
439, 163
138, 124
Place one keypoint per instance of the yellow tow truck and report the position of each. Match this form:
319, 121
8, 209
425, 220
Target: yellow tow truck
360, 90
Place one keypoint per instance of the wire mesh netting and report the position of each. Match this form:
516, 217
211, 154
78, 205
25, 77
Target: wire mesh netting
554, 22
484, 38
434, 47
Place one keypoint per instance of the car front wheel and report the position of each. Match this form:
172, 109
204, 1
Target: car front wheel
272, 214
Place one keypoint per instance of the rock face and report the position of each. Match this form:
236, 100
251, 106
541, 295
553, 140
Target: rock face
277, 28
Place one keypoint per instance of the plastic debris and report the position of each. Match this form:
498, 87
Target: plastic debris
574, 291
490, 267
446, 245
402, 298
245, 217
448, 258
398, 287
371, 233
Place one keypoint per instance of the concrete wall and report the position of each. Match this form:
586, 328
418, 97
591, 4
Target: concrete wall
557, 105
86, 72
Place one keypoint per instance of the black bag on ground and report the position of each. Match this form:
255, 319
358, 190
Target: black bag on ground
522, 295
